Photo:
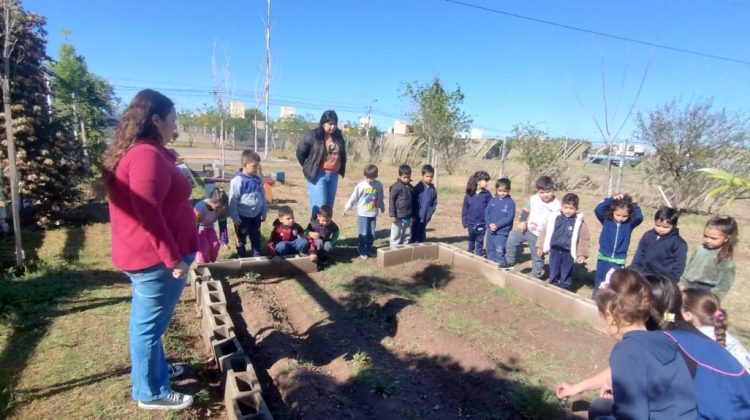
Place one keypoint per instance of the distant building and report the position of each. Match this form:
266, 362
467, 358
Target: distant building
476, 134
401, 127
287, 111
364, 122
237, 109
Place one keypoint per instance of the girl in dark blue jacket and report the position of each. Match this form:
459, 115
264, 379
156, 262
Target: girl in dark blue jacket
472, 213
661, 249
619, 215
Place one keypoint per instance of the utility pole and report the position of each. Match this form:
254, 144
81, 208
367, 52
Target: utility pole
268, 73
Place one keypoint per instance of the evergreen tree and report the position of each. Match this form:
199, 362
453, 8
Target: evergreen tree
83, 101
50, 161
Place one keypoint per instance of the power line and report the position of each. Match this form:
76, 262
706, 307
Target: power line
602, 34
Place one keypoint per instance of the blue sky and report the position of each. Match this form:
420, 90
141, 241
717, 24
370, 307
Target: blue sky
348, 54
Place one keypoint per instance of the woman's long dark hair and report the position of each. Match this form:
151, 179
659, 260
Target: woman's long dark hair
328, 116
136, 124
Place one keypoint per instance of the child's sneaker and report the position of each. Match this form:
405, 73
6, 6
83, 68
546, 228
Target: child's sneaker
173, 401
363, 257
506, 266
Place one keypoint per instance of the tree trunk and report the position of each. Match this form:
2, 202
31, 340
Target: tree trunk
622, 167
15, 197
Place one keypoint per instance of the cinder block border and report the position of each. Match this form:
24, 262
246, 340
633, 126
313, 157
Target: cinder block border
545, 295
243, 398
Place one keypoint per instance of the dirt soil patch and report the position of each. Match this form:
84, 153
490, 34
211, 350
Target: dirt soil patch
413, 341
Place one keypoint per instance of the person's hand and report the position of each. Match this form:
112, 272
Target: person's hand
618, 196
314, 235
313, 257
493, 227
606, 392
539, 252
580, 259
521, 227
565, 390
180, 270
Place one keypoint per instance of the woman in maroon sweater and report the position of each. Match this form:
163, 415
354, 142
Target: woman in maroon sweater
154, 239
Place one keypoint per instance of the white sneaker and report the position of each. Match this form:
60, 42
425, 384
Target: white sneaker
173, 401
363, 257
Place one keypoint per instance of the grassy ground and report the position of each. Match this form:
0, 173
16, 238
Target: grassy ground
63, 331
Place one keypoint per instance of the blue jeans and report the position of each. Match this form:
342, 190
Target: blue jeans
155, 295
322, 190
249, 227
496, 247
515, 240
476, 238
292, 247
365, 234
561, 267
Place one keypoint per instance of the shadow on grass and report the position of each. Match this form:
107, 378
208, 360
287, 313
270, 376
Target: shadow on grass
356, 327
29, 303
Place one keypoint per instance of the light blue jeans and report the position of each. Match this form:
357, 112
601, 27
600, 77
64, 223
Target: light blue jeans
155, 295
322, 190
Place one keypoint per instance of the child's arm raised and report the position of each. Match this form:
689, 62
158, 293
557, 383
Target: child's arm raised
601, 209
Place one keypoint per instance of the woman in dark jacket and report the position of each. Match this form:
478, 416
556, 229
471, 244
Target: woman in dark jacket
322, 154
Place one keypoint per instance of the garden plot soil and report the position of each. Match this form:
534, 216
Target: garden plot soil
412, 341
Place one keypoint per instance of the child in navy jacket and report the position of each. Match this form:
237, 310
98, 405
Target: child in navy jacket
619, 215
425, 203
498, 216
650, 378
472, 213
661, 249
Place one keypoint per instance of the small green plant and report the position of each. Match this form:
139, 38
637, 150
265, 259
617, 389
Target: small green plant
251, 276
382, 387
203, 395
362, 365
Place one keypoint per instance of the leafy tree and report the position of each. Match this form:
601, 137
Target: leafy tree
50, 162
83, 101
438, 121
290, 130
686, 137
536, 150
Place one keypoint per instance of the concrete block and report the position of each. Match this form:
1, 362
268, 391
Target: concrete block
239, 383
264, 266
247, 406
295, 265
523, 285
445, 253
424, 251
237, 363
585, 310
494, 275
213, 317
229, 268
216, 334
222, 349
195, 281
467, 262
394, 255
212, 293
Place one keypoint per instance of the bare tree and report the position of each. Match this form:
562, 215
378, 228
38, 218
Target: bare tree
11, 15
609, 135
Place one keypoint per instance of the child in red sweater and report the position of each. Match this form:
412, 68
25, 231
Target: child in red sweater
288, 237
